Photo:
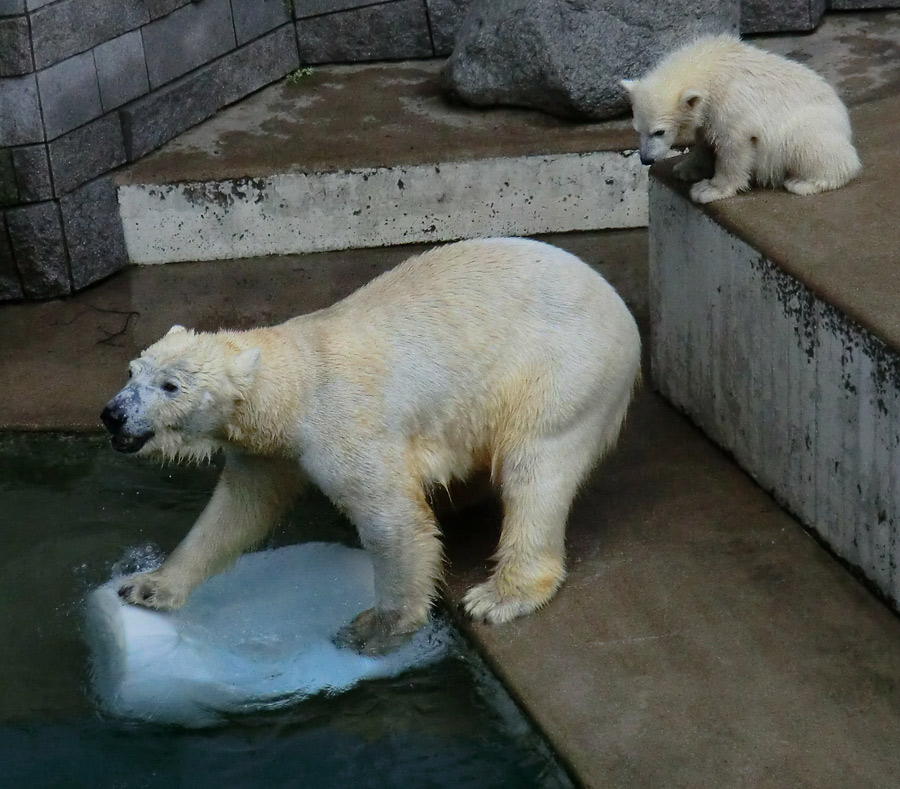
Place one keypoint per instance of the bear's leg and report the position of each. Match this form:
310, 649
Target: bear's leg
251, 495
734, 164
537, 488
401, 536
819, 165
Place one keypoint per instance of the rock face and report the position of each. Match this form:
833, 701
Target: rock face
566, 56
780, 16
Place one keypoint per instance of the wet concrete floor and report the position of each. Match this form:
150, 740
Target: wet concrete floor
702, 637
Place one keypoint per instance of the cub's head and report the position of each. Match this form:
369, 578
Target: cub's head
181, 393
661, 116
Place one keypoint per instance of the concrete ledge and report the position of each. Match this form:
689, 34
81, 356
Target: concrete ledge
384, 206
776, 327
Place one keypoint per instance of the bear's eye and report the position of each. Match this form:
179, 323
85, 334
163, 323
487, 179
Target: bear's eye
659, 132
170, 386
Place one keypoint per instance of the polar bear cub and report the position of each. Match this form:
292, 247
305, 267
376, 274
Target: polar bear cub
754, 116
503, 354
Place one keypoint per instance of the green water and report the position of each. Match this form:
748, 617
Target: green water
70, 509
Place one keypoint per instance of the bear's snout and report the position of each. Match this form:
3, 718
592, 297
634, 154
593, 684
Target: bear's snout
113, 418
647, 159
125, 436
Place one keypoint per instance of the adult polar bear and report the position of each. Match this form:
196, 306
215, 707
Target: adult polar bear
506, 354
754, 115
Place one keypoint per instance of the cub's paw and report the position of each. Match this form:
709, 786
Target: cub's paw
487, 602
375, 632
693, 168
153, 590
706, 192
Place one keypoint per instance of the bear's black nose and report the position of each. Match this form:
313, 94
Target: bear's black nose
113, 418
646, 159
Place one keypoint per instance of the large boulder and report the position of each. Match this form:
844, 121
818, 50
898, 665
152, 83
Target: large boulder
566, 56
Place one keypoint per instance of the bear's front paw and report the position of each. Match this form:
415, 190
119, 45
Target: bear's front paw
153, 590
707, 192
376, 632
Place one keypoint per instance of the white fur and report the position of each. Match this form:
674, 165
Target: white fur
755, 117
503, 354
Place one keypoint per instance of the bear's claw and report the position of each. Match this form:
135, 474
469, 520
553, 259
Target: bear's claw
152, 591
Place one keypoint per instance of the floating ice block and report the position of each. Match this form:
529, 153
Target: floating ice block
255, 637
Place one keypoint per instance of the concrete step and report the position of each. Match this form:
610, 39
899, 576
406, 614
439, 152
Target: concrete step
776, 327
363, 156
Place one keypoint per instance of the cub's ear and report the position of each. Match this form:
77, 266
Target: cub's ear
691, 97
627, 85
243, 367
176, 329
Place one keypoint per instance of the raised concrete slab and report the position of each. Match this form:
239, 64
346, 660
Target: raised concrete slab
776, 326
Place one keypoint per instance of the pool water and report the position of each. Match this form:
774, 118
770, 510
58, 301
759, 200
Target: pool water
70, 511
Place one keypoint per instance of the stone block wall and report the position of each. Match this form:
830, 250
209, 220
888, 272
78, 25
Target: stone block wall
89, 85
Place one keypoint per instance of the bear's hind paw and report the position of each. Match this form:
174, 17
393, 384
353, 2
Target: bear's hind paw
486, 603
798, 186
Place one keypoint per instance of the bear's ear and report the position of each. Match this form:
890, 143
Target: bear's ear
243, 367
627, 85
176, 329
690, 98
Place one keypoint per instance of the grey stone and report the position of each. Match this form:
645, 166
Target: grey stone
861, 5
93, 231
252, 18
9, 193
20, 111
70, 95
35, 4
121, 70
392, 31
566, 57
12, 7
445, 18
307, 8
10, 286
32, 169
68, 27
89, 151
158, 8
156, 118
780, 16
36, 236
187, 38
15, 47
